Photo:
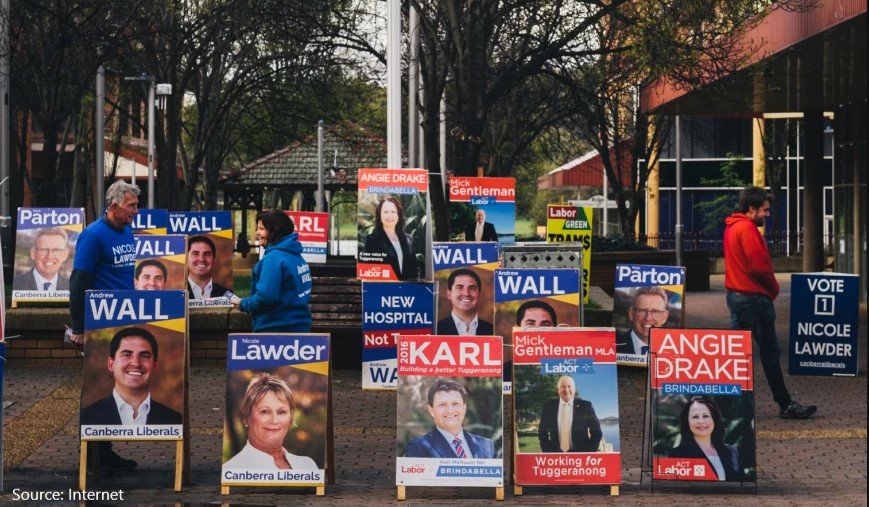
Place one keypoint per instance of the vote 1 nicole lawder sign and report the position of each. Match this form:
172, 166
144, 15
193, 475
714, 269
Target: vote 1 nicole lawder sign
824, 324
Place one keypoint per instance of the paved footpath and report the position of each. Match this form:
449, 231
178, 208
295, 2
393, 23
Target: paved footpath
817, 462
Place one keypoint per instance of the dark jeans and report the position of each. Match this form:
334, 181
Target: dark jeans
756, 313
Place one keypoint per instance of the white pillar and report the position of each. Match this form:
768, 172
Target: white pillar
393, 84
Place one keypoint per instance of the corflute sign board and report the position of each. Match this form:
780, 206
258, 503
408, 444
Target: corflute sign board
702, 400
277, 397
391, 309
824, 324
450, 412
566, 407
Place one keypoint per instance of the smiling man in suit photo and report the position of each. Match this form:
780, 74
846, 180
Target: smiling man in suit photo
464, 290
447, 405
481, 230
133, 364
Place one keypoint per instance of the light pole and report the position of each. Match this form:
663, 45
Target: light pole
153, 90
150, 82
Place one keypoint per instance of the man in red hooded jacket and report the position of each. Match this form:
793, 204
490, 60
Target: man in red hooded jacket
751, 289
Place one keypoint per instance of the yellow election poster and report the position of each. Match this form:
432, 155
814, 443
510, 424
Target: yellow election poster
572, 224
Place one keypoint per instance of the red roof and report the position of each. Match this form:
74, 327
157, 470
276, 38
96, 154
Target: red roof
587, 170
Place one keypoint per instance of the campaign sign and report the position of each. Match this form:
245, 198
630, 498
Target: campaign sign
134, 360
469, 298
702, 398
530, 298
572, 224
160, 262
210, 243
277, 393
151, 221
574, 367
44, 249
392, 218
645, 297
489, 202
824, 324
313, 229
450, 412
388, 310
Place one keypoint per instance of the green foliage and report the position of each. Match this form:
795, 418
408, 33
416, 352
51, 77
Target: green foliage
616, 244
460, 213
536, 389
526, 230
715, 210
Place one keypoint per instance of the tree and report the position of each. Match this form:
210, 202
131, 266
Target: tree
55, 48
717, 209
598, 53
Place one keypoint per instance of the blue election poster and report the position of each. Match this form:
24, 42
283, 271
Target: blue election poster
139, 339
277, 397
160, 262
210, 243
45, 242
390, 309
645, 297
529, 298
151, 221
464, 274
824, 324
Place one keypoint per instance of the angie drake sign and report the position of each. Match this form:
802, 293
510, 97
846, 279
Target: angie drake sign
702, 389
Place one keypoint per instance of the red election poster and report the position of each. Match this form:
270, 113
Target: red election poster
702, 389
566, 407
391, 222
450, 411
312, 227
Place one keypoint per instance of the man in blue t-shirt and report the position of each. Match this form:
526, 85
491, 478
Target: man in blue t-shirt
105, 259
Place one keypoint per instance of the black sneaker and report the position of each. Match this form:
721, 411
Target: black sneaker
797, 411
112, 460
104, 471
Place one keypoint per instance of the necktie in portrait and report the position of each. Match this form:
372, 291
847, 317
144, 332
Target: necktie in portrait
460, 451
564, 430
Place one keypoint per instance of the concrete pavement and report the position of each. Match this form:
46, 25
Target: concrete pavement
816, 462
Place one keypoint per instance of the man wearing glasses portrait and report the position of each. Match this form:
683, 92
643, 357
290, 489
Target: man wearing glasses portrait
49, 251
648, 310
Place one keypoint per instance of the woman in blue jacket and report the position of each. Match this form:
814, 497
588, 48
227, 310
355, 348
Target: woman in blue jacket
280, 281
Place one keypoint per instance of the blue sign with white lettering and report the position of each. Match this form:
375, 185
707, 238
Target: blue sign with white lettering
824, 324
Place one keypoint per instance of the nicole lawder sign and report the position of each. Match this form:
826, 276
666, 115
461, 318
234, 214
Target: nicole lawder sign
824, 324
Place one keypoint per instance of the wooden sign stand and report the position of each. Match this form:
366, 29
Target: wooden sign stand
83, 460
401, 493
321, 490
329, 464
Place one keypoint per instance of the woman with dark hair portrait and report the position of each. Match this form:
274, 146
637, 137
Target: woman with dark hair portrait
281, 280
702, 436
267, 411
388, 242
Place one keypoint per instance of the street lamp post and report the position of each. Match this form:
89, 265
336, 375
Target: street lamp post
153, 90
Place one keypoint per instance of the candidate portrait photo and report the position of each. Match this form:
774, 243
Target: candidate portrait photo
275, 419
133, 375
449, 417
